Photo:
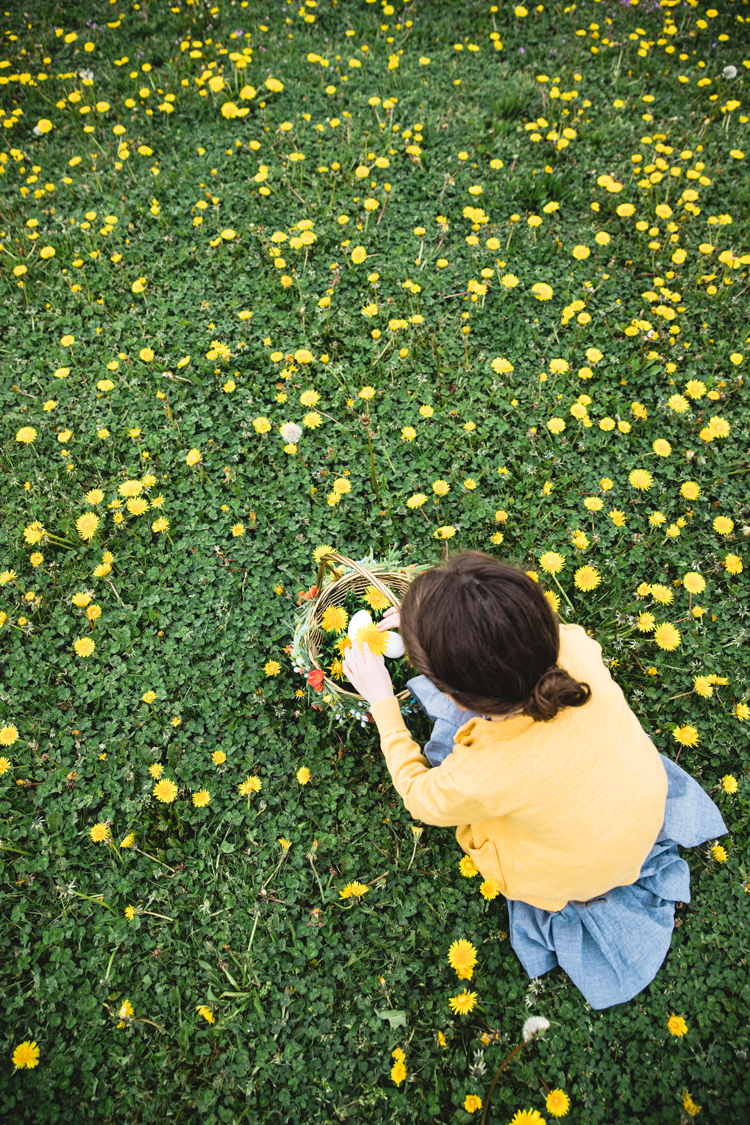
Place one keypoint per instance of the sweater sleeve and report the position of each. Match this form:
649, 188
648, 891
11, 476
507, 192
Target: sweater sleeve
429, 794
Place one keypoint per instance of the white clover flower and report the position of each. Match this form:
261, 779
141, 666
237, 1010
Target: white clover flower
291, 432
533, 1025
729, 72
86, 75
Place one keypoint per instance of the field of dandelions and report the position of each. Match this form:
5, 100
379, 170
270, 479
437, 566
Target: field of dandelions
393, 279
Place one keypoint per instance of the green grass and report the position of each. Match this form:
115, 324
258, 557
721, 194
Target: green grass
312, 993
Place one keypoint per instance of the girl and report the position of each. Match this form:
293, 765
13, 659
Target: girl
557, 792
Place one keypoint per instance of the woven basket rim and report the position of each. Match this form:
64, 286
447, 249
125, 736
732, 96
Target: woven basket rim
346, 581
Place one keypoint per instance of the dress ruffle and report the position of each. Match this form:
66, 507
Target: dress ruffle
611, 947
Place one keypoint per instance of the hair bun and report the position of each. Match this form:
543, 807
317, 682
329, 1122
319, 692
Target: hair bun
554, 690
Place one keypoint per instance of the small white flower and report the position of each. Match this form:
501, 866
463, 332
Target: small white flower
291, 432
729, 72
86, 75
533, 1025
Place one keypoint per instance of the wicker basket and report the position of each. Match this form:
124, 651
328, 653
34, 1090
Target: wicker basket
392, 583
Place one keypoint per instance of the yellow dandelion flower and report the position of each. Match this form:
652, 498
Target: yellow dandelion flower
667, 637
468, 867
165, 791
375, 598
463, 1003
462, 957
551, 562
370, 634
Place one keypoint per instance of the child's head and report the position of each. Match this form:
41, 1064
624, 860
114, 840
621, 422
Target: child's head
485, 633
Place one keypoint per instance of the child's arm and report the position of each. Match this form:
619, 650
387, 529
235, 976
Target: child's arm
429, 794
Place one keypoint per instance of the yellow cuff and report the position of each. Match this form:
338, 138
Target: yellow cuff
388, 717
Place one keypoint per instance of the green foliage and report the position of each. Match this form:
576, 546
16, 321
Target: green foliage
310, 992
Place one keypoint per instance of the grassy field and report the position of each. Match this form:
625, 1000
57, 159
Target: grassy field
501, 247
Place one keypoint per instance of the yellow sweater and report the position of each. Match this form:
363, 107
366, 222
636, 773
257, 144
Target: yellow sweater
557, 811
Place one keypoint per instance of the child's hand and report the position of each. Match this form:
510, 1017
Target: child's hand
367, 673
391, 620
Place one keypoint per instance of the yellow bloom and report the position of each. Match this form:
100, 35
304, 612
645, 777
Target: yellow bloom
375, 598
472, 1102
84, 646
26, 1055
702, 686
641, 479
489, 889
87, 525
8, 735
729, 783
677, 1026
733, 564
463, 1003
558, 1103
686, 736
468, 867
165, 791
398, 1070
335, 618
587, 578
353, 890
272, 668
551, 562
667, 637
99, 833
127, 842
462, 957
371, 635
218, 757
250, 785
542, 291
26, 435
719, 854
201, 798
207, 1014
303, 775
193, 457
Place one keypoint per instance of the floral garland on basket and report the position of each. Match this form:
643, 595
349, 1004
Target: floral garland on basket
342, 608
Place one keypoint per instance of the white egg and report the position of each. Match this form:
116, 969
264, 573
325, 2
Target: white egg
359, 619
395, 646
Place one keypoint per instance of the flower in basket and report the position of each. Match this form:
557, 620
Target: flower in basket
335, 618
363, 629
375, 598
316, 678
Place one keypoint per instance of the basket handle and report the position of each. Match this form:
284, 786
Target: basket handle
328, 561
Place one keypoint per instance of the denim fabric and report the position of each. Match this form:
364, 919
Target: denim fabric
613, 946
444, 714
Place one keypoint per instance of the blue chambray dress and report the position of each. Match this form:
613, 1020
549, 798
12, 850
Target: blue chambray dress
611, 947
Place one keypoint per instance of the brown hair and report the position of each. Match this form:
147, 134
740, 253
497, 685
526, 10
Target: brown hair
486, 634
